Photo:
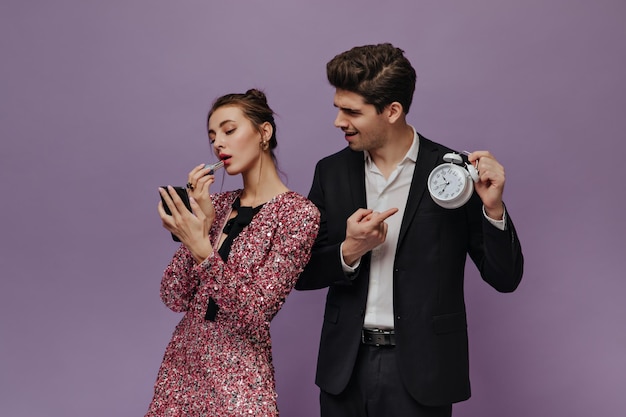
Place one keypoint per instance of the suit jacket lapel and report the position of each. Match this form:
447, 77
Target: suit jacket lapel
427, 158
356, 178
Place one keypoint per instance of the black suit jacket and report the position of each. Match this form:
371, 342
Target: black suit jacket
429, 307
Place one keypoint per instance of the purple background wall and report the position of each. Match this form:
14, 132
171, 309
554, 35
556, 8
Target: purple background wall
101, 102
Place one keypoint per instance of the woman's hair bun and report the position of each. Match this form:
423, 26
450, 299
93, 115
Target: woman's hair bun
257, 94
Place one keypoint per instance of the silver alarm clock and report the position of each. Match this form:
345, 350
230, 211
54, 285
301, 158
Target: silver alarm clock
451, 184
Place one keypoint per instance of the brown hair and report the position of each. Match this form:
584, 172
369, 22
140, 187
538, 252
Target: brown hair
381, 74
253, 104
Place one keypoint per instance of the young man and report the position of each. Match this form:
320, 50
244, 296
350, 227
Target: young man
394, 337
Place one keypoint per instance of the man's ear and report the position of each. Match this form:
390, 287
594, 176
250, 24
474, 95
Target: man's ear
394, 112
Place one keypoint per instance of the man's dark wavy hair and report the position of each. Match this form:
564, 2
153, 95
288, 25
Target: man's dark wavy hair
380, 73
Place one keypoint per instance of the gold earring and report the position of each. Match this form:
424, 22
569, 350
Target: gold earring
265, 145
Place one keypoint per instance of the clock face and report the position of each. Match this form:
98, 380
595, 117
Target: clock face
447, 182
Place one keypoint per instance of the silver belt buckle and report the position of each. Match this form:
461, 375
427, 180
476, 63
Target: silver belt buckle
377, 336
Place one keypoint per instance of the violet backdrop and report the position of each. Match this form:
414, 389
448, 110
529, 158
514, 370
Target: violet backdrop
101, 102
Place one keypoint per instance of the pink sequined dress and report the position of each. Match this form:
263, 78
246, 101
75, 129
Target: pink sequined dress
224, 367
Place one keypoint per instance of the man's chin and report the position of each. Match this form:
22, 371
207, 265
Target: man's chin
355, 146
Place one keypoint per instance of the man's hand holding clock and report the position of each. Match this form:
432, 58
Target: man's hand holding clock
452, 183
491, 182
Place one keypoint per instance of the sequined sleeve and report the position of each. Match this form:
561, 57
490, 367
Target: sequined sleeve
179, 282
256, 299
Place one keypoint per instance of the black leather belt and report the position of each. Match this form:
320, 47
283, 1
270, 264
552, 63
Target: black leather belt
378, 337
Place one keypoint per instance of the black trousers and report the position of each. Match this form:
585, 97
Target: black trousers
376, 390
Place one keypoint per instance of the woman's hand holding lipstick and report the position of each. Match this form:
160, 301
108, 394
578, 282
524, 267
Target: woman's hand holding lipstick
199, 182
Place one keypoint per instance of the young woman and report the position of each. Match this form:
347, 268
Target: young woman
241, 254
